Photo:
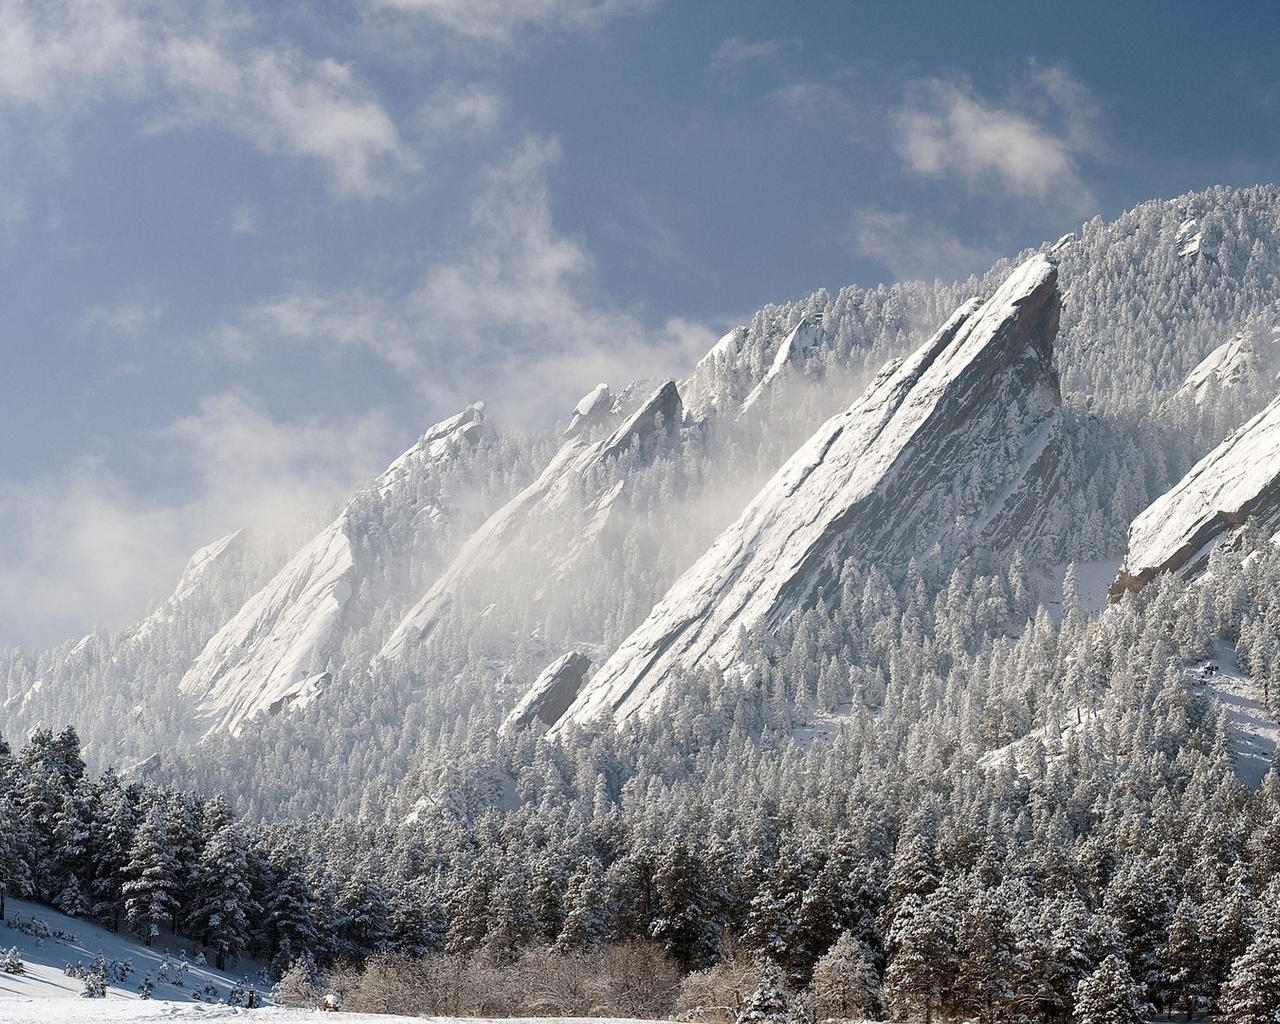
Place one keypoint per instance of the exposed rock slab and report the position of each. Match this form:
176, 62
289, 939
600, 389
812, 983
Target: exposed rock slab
1238, 480
551, 693
269, 656
518, 528
957, 437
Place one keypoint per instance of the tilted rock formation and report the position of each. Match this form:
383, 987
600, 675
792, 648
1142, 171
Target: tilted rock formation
551, 693
268, 656
1237, 481
520, 528
956, 441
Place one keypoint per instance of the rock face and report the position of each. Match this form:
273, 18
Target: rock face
807, 335
551, 694
520, 530
956, 441
1238, 480
266, 658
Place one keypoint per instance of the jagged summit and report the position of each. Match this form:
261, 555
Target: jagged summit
1237, 481
957, 438
519, 530
271, 654
806, 335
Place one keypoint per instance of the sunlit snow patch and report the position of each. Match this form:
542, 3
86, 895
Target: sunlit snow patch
1254, 732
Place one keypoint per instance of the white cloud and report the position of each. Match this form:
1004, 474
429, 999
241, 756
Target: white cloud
510, 316
198, 65
86, 548
945, 129
804, 100
500, 23
460, 111
286, 103
736, 50
130, 319
909, 250
256, 469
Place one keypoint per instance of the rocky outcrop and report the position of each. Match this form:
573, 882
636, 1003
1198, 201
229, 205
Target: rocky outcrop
551, 693
957, 443
807, 335
1237, 481
521, 530
270, 655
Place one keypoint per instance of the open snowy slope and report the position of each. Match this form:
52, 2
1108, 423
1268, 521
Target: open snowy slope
37, 1011
1253, 729
959, 432
47, 942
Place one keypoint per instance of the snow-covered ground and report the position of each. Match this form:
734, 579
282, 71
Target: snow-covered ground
29, 1010
1093, 584
1254, 732
47, 944
98, 1011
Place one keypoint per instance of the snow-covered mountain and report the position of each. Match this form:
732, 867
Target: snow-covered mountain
275, 651
954, 444
545, 528
446, 587
1237, 482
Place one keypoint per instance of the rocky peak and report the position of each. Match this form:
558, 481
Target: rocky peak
956, 441
1237, 481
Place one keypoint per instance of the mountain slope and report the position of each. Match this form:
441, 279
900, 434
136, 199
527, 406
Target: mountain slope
272, 653
956, 439
570, 492
1238, 480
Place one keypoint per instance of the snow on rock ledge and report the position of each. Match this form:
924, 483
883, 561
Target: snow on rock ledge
963, 428
1238, 480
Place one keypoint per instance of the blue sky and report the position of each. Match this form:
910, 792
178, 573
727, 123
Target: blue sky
249, 251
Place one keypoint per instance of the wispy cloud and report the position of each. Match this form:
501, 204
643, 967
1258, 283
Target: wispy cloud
87, 548
509, 316
735, 50
197, 65
500, 23
805, 100
911, 250
460, 111
130, 319
945, 129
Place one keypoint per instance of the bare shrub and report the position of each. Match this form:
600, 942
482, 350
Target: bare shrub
718, 994
637, 979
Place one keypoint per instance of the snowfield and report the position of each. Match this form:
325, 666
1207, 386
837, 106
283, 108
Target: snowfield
120, 1011
47, 941
97, 1011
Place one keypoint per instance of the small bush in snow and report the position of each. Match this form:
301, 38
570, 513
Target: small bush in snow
11, 963
36, 928
94, 986
205, 993
146, 988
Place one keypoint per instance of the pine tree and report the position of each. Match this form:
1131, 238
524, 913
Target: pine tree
1251, 993
845, 984
150, 889
585, 924
221, 906
1110, 996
